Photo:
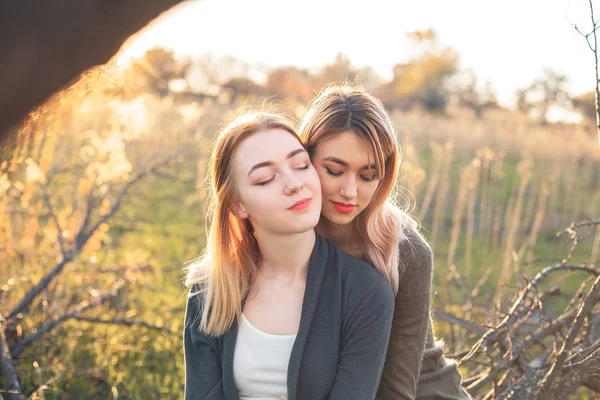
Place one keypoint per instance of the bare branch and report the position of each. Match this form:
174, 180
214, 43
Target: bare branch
112, 269
59, 234
468, 326
84, 235
81, 240
550, 382
583, 356
8, 368
597, 75
126, 322
84, 306
37, 289
512, 315
88, 211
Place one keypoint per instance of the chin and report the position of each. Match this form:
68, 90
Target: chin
304, 224
312, 221
339, 218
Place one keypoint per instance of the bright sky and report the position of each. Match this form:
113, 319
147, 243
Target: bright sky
506, 42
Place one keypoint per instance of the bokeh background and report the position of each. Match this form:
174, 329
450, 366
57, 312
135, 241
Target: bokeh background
103, 193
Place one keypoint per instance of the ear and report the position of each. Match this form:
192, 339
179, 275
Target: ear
239, 211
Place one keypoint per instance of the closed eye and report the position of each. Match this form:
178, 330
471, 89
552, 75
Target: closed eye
263, 183
369, 178
304, 167
332, 173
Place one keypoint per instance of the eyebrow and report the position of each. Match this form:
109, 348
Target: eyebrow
345, 164
269, 163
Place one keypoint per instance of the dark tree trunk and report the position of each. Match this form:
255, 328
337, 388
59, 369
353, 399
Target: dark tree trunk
44, 45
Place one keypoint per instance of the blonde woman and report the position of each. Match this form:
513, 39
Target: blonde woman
352, 144
275, 310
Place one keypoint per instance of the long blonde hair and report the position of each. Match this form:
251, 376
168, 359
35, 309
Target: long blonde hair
222, 274
380, 227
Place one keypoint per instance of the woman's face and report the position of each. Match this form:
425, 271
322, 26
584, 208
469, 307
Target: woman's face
279, 189
348, 176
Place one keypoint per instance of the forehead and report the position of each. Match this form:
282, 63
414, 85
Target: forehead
347, 146
267, 145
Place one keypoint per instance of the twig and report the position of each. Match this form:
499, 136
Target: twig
120, 269
81, 239
84, 306
84, 234
468, 326
595, 49
584, 355
37, 289
59, 234
120, 321
550, 382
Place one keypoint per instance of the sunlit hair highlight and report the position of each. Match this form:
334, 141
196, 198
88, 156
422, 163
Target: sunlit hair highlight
223, 272
380, 226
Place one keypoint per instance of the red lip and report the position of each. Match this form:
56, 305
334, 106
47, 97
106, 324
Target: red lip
343, 207
301, 204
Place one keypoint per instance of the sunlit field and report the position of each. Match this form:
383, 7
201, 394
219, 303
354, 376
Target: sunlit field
103, 203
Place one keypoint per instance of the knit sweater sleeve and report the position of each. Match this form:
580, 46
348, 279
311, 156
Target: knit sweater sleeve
365, 339
202, 360
411, 320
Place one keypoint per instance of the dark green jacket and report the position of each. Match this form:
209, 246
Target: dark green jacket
341, 343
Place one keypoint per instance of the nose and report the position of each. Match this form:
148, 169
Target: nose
292, 184
349, 189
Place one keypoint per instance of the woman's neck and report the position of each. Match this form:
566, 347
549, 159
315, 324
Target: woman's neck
285, 256
340, 235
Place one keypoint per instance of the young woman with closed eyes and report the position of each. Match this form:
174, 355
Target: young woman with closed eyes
275, 310
352, 144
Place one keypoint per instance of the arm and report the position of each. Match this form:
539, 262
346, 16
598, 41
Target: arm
202, 359
411, 321
364, 344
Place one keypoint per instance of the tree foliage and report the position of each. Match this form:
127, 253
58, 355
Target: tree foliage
586, 104
423, 80
544, 92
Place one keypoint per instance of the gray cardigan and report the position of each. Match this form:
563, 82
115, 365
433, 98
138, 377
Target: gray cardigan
340, 346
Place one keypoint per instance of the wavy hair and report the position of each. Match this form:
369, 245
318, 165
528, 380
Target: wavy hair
380, 226
222, 274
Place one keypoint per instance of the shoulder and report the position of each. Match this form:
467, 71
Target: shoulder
193, 308
355, 277
361, 282
414, 246
194, 305
415, 263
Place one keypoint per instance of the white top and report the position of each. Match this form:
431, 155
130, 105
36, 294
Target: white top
260, 363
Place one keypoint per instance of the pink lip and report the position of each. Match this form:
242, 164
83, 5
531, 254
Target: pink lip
343, 207
301, 204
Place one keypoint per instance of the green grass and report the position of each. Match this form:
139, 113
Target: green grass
161, 223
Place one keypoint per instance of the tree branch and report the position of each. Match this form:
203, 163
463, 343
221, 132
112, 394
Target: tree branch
466, 325
84, 235
512, 316
121, 321
596, 65
550, 382
84, 306
59, 234
8, 368
37, 289
81, 240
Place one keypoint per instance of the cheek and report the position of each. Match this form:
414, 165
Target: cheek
258, 202
314, 180
328, 185
368, 191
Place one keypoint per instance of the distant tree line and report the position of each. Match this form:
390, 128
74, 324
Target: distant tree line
430, 79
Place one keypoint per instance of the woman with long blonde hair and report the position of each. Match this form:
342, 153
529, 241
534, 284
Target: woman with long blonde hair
275, 311
352, 143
